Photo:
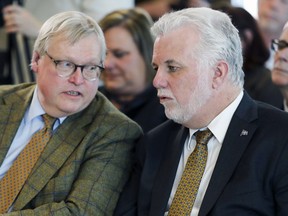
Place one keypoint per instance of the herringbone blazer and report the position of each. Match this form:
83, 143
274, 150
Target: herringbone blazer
85, 164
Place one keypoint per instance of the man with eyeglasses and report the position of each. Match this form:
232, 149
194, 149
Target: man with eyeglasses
280, 69
272, 15
85, 164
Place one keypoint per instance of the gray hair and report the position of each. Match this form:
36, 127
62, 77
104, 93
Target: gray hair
73, 25
218, 38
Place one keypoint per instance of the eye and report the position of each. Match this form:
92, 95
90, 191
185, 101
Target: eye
90, 67
120, 54
155, 68
282, 44
65, 64
172, 68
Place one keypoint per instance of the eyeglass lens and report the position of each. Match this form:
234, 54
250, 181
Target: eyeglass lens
279, 45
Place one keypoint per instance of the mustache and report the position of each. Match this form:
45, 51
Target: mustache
163, 92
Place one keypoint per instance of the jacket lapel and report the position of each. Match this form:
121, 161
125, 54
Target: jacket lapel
167, 171
12, 112
238, 136
58, 149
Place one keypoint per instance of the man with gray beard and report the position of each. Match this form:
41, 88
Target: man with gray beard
221, 153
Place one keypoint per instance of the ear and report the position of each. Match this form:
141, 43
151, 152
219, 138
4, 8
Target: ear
35, 61
246, 39
220, 74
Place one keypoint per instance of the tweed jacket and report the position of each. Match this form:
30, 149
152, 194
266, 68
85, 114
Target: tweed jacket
84, 165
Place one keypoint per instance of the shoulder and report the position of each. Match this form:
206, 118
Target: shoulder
16, 92
7, 89
104, 113
167, 131
270, 112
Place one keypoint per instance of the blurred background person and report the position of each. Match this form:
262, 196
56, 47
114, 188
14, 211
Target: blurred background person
258, 82
194, 3
24, 18
272, 15
280, 69
128, 73
156, 8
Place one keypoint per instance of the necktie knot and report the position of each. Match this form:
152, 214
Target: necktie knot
48, 121
203, 137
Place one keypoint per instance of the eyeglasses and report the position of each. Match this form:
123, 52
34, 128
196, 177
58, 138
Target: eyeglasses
66, 69
277, 45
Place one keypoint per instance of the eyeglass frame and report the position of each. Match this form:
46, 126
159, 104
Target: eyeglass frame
275, 45
57, 62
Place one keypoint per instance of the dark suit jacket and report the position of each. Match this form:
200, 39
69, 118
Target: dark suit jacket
258, 84
84, 166
144, 109
250, 176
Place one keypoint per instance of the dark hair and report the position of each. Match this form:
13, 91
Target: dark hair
256, 53
137, 22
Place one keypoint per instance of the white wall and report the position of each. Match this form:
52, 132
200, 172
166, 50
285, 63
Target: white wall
249, 5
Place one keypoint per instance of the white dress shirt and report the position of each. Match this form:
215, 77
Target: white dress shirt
218, 127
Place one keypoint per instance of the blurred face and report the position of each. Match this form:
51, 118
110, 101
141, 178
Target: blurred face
61, 96
125, 71
198, 3
182, 88
272, 14
280, 69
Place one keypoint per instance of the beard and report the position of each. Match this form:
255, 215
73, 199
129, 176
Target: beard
182, 113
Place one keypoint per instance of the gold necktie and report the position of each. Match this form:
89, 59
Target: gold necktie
14, 179
187, 189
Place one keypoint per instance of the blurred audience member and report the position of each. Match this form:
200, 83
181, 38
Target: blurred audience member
280, 69
128, 72
215, 4
272, 15
198, 3
258, 81
156, 8
27, 19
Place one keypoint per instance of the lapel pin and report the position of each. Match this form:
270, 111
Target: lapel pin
244, 133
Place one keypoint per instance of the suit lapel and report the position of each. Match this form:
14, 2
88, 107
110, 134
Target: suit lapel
11, 116
58, 149
238, 136
167, 171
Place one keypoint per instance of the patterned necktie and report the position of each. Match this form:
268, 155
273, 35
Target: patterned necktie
187, 189
14, 179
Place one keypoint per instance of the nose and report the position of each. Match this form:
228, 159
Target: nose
109, 61
159, 80
77, 77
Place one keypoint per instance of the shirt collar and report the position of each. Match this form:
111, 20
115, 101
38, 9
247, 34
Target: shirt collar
219, 125
36, 109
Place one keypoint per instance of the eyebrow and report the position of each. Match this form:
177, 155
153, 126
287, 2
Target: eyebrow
170, 61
